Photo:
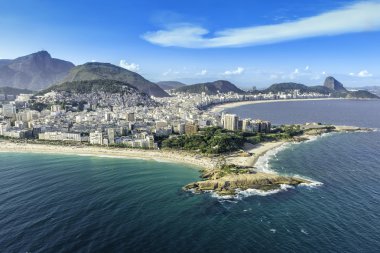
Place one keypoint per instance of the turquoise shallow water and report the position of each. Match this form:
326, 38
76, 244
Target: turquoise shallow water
61, 203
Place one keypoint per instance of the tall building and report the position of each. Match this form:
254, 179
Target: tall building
247, 125
161, 124
96, 138
55, 108
131, 117
191, 128
230, 122
107, 116
111, 135
181, 128
9, 110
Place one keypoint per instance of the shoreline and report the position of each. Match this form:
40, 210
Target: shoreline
224, 175
221, 107
197, 161
179, 157
247, 157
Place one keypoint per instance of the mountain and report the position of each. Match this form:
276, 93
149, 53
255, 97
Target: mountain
338, 90
333, 84
4, 62
169, 85
104, 93
14, 91
289, 87
35, 71
107, 71
361, 94
211, 88
373, 89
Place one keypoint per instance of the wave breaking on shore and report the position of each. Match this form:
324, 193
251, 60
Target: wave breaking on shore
263, 165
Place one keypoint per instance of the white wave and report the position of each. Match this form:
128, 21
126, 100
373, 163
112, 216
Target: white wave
273, 230
313, 184
240, 194
252, 192
263, 162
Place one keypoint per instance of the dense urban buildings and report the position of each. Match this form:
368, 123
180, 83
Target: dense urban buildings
111, 123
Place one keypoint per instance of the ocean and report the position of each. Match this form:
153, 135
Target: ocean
68, 203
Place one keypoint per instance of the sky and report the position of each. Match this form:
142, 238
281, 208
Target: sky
250, 43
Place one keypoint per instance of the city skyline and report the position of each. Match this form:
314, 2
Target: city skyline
142, 37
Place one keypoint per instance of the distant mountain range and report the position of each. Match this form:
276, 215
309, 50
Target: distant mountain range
35, 71
211, 88
107, 71
373, 89
169, 85
39, 70
331, 85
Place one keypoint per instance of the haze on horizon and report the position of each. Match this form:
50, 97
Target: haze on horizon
250, 43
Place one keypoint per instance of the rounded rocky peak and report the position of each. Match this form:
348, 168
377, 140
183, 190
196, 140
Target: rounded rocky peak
41, 54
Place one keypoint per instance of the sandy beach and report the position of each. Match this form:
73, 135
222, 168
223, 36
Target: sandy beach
154, 155
197, 160
222, 107
252, 153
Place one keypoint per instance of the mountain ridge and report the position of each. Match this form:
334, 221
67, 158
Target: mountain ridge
331, 86
211, 88
169, 85
102, 92
35, 71
106, 71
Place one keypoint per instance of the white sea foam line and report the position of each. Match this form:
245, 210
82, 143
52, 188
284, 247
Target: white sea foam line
240, 194
262, 163
253, 192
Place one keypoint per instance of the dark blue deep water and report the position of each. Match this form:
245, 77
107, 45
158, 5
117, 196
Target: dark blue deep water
61, 203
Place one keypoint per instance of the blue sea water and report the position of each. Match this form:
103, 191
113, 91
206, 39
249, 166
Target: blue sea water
62, 203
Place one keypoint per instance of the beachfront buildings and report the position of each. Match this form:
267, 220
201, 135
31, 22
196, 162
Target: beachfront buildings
131, 126
230, 122
233, 123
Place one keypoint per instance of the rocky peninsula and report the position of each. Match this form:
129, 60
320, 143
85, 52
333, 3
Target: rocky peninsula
237, 172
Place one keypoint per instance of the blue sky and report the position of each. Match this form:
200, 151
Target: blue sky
251, 43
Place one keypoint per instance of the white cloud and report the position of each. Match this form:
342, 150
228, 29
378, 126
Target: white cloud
359, 17
307, 68
170, 72
294, 74
203, 72
130, 66
237, 71
273, 76
363, 73
324, 73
